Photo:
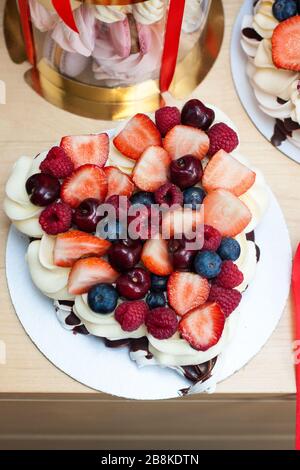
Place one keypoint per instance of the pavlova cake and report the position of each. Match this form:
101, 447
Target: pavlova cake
271, 40
144, 237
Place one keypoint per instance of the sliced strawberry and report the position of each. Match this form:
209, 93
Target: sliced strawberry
138, 134
187, 291
202, 328
185, 140
286, 44
152, 169
88, 272
156, 258
73, 245
87, 181
226, 212
226, 172
181, 221
83, 149
118, 183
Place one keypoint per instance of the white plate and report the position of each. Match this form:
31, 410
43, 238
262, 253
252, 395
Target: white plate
87, 360
264, 123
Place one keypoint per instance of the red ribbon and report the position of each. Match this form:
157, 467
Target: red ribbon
27, 30
296, 296
172, 38
64, 11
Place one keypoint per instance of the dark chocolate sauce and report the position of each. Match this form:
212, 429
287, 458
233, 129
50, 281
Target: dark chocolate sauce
80, 330
251, 34
282, 130
250, 236
280, 100
117, 344
72, 320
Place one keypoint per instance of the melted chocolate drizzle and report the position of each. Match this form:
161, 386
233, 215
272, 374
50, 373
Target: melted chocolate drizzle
283, 129
251, 34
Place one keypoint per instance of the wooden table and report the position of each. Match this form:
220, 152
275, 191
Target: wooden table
41, 406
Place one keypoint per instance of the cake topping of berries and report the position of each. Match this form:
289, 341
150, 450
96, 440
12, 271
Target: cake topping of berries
139, 133
196, 114
186, 171
56, 218
208, 264
226, 212
202, 328
185, 140
286, 44
212, 238
230, 276
118, 183
166, 118
227, 299
88, 272
152, 169
186, 291
131, 315
221, 137
168, 194
284, 9
73, 245
229, 249
57, 163
84, 149
88, 181
156, 258
42, 189
226, 172
162, 323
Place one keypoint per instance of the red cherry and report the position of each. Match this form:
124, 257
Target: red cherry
125, 254
85, 215
42, 189
186, 171
196, 114
134, 284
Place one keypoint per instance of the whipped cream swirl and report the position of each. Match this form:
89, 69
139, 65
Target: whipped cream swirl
17, 206
275, 89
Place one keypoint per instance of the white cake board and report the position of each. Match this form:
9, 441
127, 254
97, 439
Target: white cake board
87, 360
264, 123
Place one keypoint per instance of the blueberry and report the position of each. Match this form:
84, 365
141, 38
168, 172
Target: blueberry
111, 230
159, 283
193, 197
208, 264
156, 299
143, 197
284, 9
103, 298
229, 249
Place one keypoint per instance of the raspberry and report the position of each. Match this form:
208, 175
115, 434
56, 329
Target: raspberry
227, 299
56, 218
120, 203
162, 323
222, 137
230, 276
57, 163
212, 238
168, 194
166, 118
131, 315
145, 223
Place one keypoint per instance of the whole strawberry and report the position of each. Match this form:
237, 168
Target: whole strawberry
57, 163
166, 118
221, 137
